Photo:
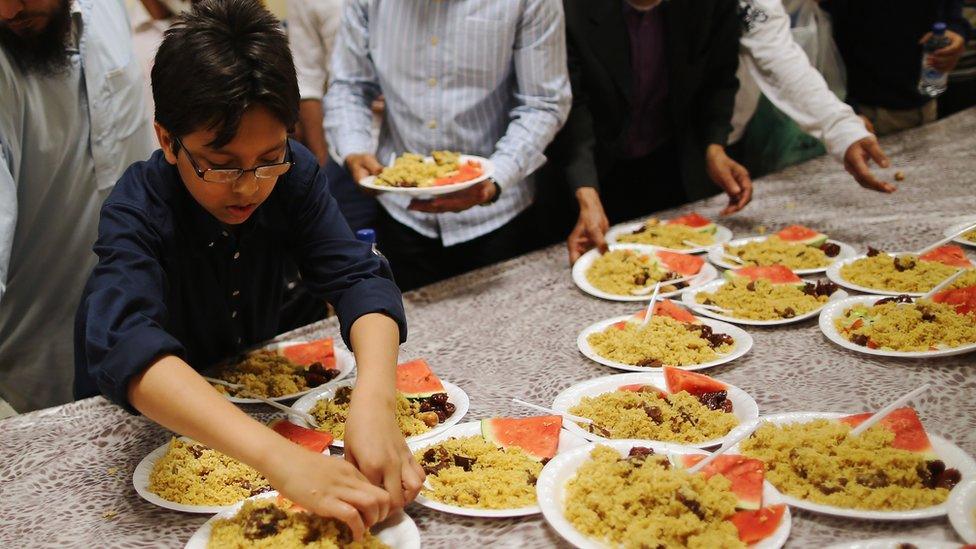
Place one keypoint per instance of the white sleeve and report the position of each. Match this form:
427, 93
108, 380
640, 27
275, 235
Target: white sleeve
307, 48
785, 75
8, 215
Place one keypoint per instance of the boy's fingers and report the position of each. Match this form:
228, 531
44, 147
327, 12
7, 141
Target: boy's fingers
394, 487
333, 507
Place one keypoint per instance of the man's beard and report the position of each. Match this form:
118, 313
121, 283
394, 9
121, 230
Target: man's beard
43, 52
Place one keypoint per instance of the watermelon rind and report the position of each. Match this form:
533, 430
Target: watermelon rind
710, 228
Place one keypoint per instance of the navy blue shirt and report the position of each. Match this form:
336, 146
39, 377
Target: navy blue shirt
171, 279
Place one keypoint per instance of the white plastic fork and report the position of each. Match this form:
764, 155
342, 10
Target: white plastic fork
945, 240
882, 413
304, 415
726, 446
648, 289
571, 417
943, 284
650, 305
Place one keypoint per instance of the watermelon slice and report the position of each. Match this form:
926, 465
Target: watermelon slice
316, 441
758, 525
695, 384
536, 436
745, 474
683, 264
950, 254
641, 388
666, 308
466, 172
695, 221
777, 274
963, 299
305, 354
802, 235
909, 432
415, 379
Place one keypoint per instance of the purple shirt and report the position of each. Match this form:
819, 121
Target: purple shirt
649, 123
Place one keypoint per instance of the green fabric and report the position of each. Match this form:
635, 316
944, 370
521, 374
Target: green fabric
772, 141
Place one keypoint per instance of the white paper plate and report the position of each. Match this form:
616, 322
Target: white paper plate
706, 274
836, 310
744, 407
487, 166
716, 254
722, 235
958, 227
689, 300
962, 509
742, 345
140, 481
952, 455
551, 490
345, 362
833, 273
398, 531
567, 441
455, 395
895, 543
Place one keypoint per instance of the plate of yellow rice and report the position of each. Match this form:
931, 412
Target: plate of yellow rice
671, 236
270, 522
500, 484
413, 174
770, 250
623, 342
623, 414
184, 475
615, 275
899, 330
592, 503
766, 304
804, 450
962, 510
321, 403
877, 274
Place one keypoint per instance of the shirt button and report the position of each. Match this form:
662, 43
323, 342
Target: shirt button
236, 293
432, 124
432, 82
210, 245
237, 254
239, 341
225, 233
434, 40
233, 314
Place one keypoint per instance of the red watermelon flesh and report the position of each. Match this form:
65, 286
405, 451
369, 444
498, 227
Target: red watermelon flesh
745, 474
695, 384
536, 436
683, 264
963, 299
667, 308
316, 441
693, 220
802, 235
777, 274
416, 380
758, 525
950, 254
909, 431
305, 354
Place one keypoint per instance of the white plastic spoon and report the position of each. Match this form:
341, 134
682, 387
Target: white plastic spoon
648, 289
570, 417
726, 446
945, 240
715, 308
882, 413
304, 415
734, 259
650, 305
943, 284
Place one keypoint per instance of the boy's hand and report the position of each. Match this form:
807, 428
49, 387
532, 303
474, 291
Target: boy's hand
375, 445
328, 486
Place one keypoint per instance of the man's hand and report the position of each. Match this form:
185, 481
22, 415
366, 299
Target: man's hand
457, 201
856, 163
731, 176
362, 165
374, 444
945, 59
328, 486
590, 228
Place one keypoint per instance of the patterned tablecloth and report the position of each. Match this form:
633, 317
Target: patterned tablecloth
510, 330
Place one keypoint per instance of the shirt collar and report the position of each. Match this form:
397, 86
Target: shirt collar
77, 25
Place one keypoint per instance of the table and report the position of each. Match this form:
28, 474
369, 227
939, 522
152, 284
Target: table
509, 330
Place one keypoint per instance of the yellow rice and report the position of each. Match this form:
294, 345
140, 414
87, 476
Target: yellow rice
776, 251
818, 462
620, 271
263, 373
970, 236
623, 414
766, 301
410, 170
663, 339
901, 327
879, 273
667, 235
633, 504
192, 474
331, 416
263, 525
498, 479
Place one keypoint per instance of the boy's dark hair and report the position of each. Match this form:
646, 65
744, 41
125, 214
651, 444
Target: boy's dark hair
216, 61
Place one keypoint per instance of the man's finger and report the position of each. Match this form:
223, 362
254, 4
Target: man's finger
372, 165
858, 167
874, 151
597, 237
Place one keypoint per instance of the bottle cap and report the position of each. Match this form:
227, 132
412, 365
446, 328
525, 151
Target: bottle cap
366, 235
939, 28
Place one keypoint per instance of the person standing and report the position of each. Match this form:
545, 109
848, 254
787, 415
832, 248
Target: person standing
484, 78
72, 118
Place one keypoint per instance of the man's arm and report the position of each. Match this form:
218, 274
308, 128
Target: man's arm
311, 52
720, 83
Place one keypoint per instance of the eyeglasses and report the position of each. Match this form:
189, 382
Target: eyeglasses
229, 175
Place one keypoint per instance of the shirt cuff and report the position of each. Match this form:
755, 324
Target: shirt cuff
841, 137
373, 295
352, 142
309, 92
133, 354
506, 171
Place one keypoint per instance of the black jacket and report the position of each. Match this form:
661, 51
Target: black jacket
702, 41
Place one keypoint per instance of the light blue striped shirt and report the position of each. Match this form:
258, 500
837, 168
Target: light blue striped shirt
484, 77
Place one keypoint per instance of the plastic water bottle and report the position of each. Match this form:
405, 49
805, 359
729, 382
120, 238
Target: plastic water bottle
369, 237
932, 81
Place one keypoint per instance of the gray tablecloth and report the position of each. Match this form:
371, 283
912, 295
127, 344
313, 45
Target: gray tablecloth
510, 330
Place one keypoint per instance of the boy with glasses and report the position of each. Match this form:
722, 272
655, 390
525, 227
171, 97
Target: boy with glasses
192, 246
